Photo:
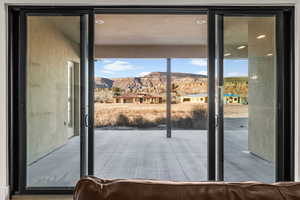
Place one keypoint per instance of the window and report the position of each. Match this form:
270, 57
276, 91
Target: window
143, 98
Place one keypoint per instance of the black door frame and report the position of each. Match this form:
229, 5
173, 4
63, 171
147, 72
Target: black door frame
17, 89
285, 106
19, 84
219, 43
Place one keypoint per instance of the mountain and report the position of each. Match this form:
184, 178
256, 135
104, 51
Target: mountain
176, 75
103, 82
155, 83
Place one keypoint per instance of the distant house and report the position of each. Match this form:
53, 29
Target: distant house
195, 98
232, 99
203, 98
138, 99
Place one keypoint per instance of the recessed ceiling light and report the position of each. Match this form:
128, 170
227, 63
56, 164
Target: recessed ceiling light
254, 77
269, 54
99, 21
261, 36
200, 21
241, 47
227, 54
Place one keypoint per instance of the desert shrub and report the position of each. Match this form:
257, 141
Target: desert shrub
197, 119
122, 120
103, 96
160, 120
141, 122
98, 99
184, 123
116, 91
136, 121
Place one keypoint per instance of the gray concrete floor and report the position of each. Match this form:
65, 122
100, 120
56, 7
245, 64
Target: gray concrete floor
149, 154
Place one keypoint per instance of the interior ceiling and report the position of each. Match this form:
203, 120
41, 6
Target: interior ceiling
136, 29
116, 30
167, 29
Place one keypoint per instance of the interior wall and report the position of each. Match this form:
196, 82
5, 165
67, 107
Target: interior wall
4, 149
47, 75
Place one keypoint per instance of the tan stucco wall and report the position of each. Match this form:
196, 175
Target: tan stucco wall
47, 72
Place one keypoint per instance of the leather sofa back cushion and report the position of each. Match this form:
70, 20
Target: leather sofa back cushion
92, 188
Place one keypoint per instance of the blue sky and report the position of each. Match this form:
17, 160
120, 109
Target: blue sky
120, 68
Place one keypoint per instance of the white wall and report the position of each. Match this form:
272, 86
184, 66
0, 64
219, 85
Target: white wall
3, 105
3, 60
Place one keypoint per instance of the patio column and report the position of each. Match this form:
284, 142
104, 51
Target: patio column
169, 98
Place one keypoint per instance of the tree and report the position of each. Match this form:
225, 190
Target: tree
116, 91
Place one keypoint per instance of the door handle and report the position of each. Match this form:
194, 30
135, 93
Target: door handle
86, 120
217, 120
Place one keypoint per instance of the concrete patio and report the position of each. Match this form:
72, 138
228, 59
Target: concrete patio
149, 154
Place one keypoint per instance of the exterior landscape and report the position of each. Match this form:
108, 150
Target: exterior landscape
140, 102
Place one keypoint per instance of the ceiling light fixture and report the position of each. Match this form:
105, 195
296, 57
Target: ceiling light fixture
261, 36
200, 22
99, 21
227, 54
269, 54
241, 47
254, 77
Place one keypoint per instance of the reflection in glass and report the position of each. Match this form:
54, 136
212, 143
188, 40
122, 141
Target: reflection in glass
249, 98
52, 97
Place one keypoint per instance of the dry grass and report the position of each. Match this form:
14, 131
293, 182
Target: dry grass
186, 115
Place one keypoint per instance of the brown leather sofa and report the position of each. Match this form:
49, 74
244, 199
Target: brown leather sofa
92, 188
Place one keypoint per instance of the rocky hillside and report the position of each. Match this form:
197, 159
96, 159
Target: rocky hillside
103, 83
155, 83
236, 85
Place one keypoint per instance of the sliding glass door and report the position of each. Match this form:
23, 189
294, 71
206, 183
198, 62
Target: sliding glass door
56, 99
248, 96
187, 95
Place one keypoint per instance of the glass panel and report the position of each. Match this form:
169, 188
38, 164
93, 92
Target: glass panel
189, 114
130, 116
249, 98
130, 96
53, 101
